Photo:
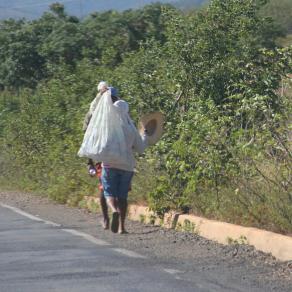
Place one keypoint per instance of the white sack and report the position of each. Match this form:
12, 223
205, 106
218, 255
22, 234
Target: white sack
104, 139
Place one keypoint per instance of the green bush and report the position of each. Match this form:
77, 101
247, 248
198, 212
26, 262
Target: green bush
218, 77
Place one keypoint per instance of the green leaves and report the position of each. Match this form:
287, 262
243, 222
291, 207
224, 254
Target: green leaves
215, 74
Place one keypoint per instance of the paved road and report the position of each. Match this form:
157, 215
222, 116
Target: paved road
76, 254
39, 256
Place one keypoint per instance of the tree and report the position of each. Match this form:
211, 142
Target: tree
228, 104
58, 9
21, 63
280, 12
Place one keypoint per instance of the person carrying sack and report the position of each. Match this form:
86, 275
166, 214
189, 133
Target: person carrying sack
95, 169
111, 137
116, 176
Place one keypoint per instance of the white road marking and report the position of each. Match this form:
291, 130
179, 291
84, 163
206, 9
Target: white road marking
129, 253
87, 237
75, 232
172, 271
18, 211
32, 217
52, 223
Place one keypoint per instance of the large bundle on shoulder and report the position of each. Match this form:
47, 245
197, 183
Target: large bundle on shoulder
104, 139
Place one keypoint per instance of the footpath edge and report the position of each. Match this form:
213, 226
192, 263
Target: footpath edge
280, 246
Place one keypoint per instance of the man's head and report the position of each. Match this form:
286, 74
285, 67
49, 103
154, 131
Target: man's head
102, 86
114, 93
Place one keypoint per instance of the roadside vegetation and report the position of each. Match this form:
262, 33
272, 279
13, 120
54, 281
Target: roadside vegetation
221, 76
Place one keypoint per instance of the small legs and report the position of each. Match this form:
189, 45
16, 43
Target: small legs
119, 211
104, 209
112, 203
122, 209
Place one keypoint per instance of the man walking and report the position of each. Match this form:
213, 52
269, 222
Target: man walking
116, 177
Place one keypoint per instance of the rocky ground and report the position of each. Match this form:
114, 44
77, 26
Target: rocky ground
192, 253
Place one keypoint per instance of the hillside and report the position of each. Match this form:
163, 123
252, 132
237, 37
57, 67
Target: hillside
188, 4
32, 9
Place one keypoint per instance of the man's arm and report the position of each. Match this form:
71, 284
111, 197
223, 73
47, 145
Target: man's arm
91, 110
140, 142
86, 120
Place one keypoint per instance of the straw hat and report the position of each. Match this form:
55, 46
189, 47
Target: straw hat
153, 124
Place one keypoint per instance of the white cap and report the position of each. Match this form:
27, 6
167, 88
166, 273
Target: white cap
101, 85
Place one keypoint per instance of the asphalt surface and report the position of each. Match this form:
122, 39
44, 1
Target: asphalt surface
50, 247
38, 256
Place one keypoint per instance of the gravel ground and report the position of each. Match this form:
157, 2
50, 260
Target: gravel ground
187, 252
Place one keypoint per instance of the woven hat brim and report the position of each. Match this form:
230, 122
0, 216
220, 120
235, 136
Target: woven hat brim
153, 122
